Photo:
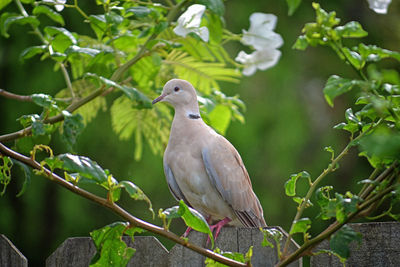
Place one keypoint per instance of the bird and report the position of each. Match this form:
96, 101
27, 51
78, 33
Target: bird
203, 168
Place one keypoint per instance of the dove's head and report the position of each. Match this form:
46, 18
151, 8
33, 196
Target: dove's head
179, 93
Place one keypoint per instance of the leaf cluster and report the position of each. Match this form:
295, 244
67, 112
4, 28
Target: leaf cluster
373, 126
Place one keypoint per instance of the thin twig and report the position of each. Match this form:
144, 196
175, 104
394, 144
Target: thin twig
309, 245
23, 98
67, 80
117, 209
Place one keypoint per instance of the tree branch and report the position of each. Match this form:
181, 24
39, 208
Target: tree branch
309, 245
23, 98
117, 209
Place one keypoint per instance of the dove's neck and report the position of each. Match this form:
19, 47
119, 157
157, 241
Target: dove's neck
190, 112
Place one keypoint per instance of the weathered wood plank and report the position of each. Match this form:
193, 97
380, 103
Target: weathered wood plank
10, 255
234, 240
78, 252
379, 247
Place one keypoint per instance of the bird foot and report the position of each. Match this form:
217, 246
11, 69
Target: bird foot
186, 233
189, 229
217, 227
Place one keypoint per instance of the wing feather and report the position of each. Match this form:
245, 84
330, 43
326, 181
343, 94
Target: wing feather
227, 173
173, 185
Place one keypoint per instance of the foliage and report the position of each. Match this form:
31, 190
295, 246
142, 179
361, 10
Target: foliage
373, 130
135, 47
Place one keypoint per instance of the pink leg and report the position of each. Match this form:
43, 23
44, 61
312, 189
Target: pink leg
218, 226
186, 233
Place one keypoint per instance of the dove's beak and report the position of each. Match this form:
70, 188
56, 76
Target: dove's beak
158, 99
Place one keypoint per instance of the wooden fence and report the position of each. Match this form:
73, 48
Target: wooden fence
379, 247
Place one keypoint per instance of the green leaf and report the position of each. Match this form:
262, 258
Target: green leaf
232, 255
145, 71
215, 27
27, 174
98, 24
336, 86
141, 99
84, 166
43, 100
7, 19
32, 51
195, 220
353, 57
203, 75
301, 43
74, 49
293, 5
152, 124
5, 173
300, 226
324, 18
215, 6
4, 3
350, 117
25, 144
290, 185
172, 213
220, 118
352, 29
49, 13
54, 31
139, 11
160, 27
373, 53
341, 240
54, 163
383, 144
111, 250
136, 193
271, 233
72, 128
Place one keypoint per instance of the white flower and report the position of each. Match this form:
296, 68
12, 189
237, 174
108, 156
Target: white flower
58, 7
261, 34
190, 21
259, 59
379, 6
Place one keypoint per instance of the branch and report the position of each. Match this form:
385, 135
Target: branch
67, 80
313, 187
117, 209
23, 98
117, 75
309, 245
71, 108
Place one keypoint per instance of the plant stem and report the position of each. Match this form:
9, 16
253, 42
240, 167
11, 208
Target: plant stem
67, 80
312, 188
307, 246
117, 209
23, 98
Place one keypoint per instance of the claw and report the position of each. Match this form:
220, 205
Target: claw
218, 226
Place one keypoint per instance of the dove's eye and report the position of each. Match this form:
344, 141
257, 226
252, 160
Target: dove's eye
176, 89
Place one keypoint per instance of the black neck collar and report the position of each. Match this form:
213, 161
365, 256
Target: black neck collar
194, 116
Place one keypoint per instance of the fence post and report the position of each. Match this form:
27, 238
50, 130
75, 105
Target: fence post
235, 240
379, 247
10, 255
78, 252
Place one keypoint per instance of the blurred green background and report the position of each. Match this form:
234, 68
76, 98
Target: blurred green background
288, 123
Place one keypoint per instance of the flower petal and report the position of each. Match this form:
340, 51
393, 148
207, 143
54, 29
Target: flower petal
260, 34
190, 21
379, 6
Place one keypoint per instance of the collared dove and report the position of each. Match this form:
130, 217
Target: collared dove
202, 168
